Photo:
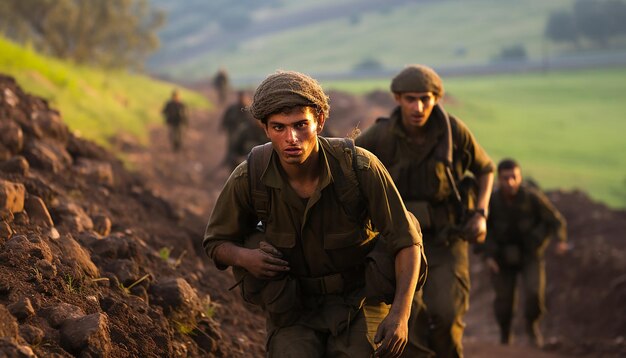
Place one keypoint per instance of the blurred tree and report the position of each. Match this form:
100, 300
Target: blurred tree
598, 21
561, 27
111, 33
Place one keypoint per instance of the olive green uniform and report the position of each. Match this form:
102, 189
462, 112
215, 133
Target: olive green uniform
176, 118
517, 235
321, 242
420, 178
243, 133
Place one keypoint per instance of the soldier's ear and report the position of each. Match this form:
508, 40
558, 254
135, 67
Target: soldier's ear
397, 97
320, 123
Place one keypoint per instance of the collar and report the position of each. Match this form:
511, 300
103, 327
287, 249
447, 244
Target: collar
274, 177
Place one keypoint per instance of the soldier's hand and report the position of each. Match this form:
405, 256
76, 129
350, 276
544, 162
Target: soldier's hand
392, 336
265, 262
492, 265
475, 229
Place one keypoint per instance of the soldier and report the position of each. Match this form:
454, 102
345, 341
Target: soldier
318, 202
221, 84
243, 131
521, 222
427, 152
175, 114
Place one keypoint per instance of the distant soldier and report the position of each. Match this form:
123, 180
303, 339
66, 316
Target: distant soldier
429, 153
244, 132
175, 114
221, 84
521, 222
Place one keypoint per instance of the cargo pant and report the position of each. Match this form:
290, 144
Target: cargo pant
446, 299
533, 278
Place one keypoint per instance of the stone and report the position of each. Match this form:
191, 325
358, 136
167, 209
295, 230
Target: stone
87, 336
11, 197
95, 171
102, 225
31, 334
175, 294
9, 97
58, 314
38, 212
11, 136
50, 123
75, 255
115, 246
22, 309
126, 271
47, 156
72, 217
15, 165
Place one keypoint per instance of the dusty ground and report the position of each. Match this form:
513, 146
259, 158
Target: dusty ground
166, 205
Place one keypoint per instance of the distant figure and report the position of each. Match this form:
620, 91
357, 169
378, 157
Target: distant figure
521, 222
221, 84
175, 114
244, 132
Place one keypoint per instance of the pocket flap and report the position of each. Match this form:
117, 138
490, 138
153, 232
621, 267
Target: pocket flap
343, 239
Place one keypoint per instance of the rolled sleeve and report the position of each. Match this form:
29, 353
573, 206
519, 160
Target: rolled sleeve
387, 211
233, 217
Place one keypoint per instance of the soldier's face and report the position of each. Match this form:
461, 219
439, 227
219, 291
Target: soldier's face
416, 107
510, 181
294, 134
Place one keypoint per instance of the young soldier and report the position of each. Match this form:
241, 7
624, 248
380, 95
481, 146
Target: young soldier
522, 221
308, 271
428, 152
175, 114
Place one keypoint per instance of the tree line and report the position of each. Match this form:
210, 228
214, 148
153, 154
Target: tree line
108, 33
597, 21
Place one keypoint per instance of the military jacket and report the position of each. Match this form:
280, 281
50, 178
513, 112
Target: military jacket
417, 171
316, 235
528, 222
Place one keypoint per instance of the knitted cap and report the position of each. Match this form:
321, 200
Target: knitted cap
417, 78
285, 89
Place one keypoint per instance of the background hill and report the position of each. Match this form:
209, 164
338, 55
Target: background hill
98, 103
253, 38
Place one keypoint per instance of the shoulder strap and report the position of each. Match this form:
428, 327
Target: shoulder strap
343, 166
444, 151
258, 160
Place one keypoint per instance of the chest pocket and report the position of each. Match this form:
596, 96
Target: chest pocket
425, 181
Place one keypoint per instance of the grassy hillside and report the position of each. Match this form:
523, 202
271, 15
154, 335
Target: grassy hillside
434, 32
566, 128
96, 103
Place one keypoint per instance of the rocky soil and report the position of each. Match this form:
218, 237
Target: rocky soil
99, 261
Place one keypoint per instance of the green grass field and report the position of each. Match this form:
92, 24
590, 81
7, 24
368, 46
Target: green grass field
96, 103
437, 33
565, 128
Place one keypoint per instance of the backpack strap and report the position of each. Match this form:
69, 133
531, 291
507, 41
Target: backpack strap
258, 160
343, 165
